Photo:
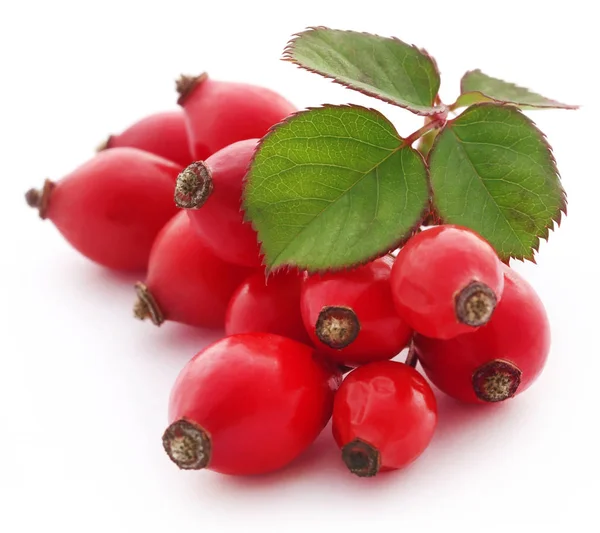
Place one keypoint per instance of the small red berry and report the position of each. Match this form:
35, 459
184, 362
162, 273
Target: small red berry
384, 417
270, 305
248, 404
186, 282
498, 360
211, 191
446, 281
220, 113
111, 208
162, 134
350, 316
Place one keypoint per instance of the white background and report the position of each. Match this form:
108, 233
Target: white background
84, 387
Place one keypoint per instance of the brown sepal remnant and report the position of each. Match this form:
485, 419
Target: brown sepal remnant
337, 326
40, 199
361, 458
186, 85
194, 186
496, 381
146, 306
475, 304
187, 444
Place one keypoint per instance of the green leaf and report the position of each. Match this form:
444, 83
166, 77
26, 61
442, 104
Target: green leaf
492, 170
385, 68
477, 87
334, 187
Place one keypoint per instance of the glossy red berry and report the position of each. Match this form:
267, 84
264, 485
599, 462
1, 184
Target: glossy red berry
270, 305
350, 316
446, 281
498, 360
384, 417
112, 207
220, 113
211, 191
162, 134
248, 404
186, 282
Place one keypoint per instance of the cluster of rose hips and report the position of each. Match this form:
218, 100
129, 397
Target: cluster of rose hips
253, 401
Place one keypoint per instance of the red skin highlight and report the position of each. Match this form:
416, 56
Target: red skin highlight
518, 333
220, 219
219, 113
163, 134
270, 305
111, 208
262, 399
388, 405
366, 290
189, 283
430, 271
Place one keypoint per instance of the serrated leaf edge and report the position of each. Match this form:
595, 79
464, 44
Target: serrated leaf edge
288, 56
400, 242
555, 103
562, 209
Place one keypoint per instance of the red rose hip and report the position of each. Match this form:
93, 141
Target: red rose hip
186, 282
211, 191
269, 305
220, 113
384, 417
162, 134
111, 208
350, 315
500, 359
446, 281
248, 404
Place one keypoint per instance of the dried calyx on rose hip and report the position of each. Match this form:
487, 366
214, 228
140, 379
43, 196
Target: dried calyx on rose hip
220, 113
111, 208
500, 359
211, 192
446, 280
186, 282
384, 417
350, 315
271, 305
248, 404
162, 134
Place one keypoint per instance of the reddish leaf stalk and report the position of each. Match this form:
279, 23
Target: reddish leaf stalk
437, 121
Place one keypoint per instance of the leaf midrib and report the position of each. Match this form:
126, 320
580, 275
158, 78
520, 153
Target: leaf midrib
401, 145
372, 89
498, 208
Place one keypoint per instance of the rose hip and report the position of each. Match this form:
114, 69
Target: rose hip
500, 359
162, 134
220, 113
186, 282
270, 305
384, 417
446, 281
248, 404
211, 191
111, 208
350, 315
